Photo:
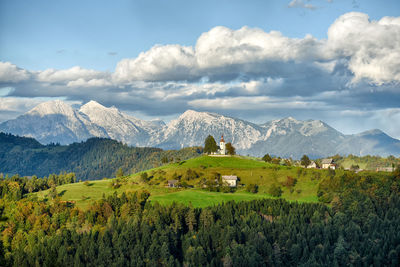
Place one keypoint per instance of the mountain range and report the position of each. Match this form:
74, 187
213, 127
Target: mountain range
57, 122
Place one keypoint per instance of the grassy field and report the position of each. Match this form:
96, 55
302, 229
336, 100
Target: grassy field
249, 171
201, 198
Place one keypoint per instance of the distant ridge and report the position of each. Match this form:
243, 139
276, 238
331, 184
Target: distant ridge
57, 122
94, 158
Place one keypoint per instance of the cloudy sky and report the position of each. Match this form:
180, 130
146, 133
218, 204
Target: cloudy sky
333, 60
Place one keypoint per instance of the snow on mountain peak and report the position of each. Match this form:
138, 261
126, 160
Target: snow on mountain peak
93, 104
52, 107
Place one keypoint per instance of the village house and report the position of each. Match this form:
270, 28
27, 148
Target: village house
328, 164
312, 165
173, 183
385, 169
231, 180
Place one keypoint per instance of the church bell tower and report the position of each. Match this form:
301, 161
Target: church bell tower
222, 146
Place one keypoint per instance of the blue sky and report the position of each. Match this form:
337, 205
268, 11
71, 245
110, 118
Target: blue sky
97, 34
158, 58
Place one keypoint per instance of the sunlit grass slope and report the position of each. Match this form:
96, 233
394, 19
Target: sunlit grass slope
249, 171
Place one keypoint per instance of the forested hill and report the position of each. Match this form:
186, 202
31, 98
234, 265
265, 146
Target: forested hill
93, 159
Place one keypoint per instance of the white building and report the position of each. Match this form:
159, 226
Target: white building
312, 165
231, 180
328, 164
222, 148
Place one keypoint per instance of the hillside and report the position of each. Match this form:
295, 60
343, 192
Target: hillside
93, 159
367, 162
194, 173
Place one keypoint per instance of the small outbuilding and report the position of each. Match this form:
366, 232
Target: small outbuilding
231, 180
173, 183
312, 165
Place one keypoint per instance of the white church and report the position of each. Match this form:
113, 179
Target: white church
222, 147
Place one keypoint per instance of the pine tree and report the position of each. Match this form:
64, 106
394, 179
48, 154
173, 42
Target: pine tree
267, 158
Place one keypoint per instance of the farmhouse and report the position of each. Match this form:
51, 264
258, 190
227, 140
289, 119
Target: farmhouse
385, 169
173, 183
328, 164
312, 165
231, 180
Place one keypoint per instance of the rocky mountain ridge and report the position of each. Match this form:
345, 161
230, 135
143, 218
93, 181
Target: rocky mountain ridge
57, 122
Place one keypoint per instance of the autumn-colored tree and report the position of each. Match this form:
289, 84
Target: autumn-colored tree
230, 149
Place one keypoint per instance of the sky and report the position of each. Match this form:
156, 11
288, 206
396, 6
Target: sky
332, 60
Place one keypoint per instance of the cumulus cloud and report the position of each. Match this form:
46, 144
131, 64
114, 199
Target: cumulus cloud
255, 103
222, 46
68, 75
372, 46
81, 82
11, 73
169, 62
370, 49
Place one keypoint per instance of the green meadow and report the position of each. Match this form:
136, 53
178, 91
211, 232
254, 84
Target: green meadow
248, 170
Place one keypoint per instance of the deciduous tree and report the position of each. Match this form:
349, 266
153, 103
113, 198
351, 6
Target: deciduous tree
210, 145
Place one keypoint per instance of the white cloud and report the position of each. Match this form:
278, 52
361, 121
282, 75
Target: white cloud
372, 46
222, 46
89, 83
255, 103
301, 4
371, 50
11, 73
169, 62
68, 75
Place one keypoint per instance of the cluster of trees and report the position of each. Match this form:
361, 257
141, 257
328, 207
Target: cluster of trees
16, 187
128, 230
210, 146
368, 162
374, 185
93, 159
276, 160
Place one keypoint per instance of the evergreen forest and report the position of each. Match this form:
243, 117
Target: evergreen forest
359, 226
93, 159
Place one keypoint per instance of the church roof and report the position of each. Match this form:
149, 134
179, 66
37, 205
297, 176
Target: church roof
222, 139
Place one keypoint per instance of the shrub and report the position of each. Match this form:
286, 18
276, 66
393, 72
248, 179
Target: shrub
144, 176
290, 182
252, 188
275, 190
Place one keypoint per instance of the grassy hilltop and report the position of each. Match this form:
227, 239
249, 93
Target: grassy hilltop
194, 172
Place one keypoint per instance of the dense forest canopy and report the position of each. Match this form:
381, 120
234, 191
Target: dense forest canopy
93, 159
360, 227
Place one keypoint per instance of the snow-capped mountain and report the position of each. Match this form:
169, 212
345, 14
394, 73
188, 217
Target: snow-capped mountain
293, 138
192, 128
117, 125
55, 121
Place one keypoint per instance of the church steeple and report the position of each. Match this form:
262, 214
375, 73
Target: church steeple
222, 148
